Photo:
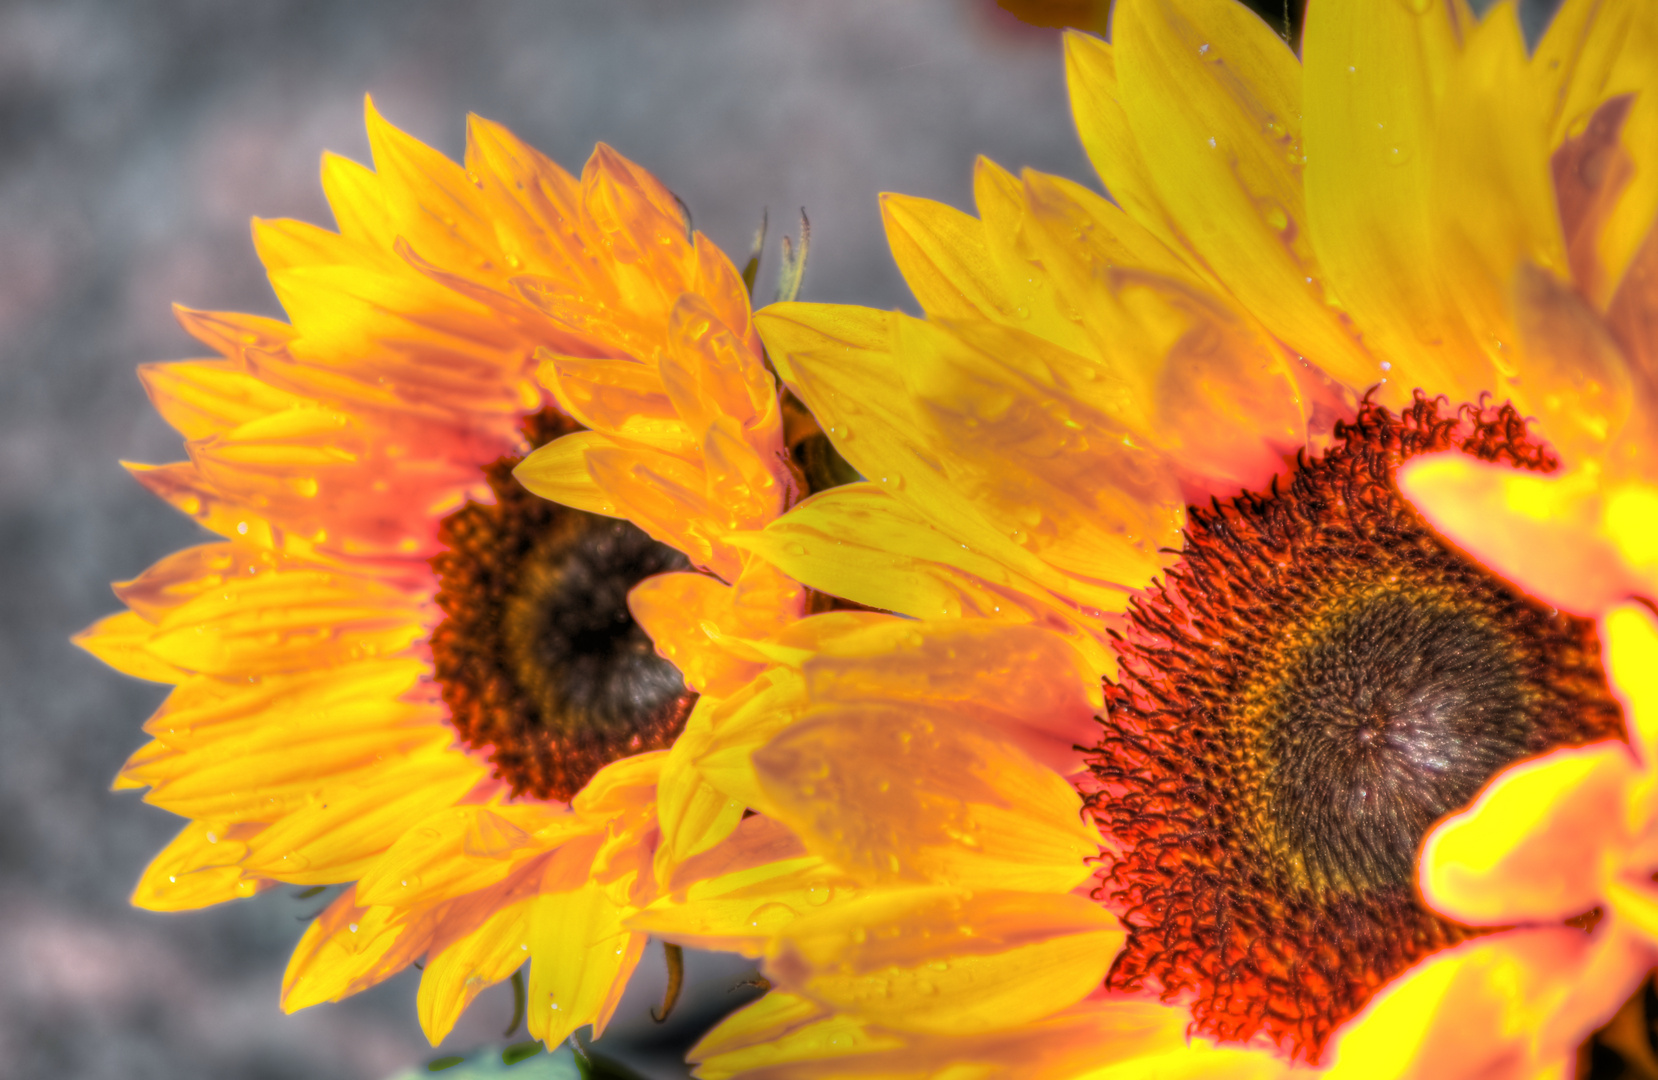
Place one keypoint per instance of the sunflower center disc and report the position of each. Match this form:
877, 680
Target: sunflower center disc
1318, 681
539, 660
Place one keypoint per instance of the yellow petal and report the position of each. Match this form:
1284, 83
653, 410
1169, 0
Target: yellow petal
1376, 74
198, 868
1475, 1010
286, 620
1028, 682
944, 258
558, 471
581, 957
1213, 98
861, 542
694, 814
350, 948
123, 642
1565, 539
1012, 488
1108, 139
464, 848
1492, 198
339, 839
779, 1029
948, 962
200, 398
468, 967
1575, 379
913, 792
1631, 641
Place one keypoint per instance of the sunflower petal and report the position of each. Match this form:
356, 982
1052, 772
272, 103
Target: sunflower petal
915, 792
1535, 845
349, 948
1375, 77
198, 868
1011, 957
1213, 98
471, 965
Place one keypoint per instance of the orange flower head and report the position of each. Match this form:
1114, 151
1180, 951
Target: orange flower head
399, 672
1317, 682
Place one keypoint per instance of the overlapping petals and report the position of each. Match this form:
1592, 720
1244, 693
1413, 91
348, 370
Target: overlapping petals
1418, 204
304, 737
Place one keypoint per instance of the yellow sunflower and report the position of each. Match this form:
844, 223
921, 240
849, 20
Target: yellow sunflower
399, 672
1135, 483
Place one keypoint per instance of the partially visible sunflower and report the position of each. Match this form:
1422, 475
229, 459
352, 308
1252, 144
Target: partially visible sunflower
399, 671
1155, 441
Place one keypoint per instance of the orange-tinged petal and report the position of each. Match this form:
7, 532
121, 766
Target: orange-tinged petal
123, 642
430, 197
349, 948
606, 394
198, 868
1536, 844
1030, 683
180, 485
1562, 538
1575, 377
1480, 1009
625, 785
1213, 97
948, 962
1592, 53
1375, 75
464, 848
916, 792
468, 967
708, 629
665, 496
178, 578
709, 371
201, 398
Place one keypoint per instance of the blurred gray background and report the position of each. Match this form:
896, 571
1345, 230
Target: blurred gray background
137, 137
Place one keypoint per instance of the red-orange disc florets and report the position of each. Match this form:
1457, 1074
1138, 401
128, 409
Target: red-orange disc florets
1318, 680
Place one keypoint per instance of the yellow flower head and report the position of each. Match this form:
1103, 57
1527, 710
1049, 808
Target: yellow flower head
399, 672
1138, 481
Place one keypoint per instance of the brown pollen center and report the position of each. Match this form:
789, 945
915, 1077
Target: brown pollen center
539, 660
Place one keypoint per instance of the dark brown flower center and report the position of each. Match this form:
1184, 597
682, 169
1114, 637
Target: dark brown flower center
540, 662
1318, 681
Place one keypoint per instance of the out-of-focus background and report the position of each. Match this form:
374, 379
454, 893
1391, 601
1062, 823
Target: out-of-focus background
137, 137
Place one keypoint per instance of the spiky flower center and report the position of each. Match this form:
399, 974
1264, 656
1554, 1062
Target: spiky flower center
539, 660
1318, 681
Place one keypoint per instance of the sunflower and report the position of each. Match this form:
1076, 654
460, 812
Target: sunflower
1140, 783
399, 672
